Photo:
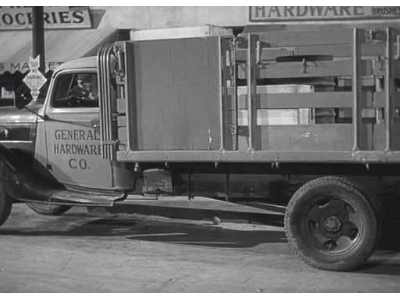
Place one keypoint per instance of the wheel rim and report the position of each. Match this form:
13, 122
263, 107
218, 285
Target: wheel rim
332, 226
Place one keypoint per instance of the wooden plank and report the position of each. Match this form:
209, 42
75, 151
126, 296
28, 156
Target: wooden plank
310, 37
323, 137
302, 100
340, 50
260, 156
366, 82
311, 69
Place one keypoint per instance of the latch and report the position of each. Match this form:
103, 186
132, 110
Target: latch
233, 129
119, 77
120, 74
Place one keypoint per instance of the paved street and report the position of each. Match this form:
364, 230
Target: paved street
76, 253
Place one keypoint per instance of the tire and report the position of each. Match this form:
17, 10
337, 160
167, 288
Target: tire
332, 224
5, 204
48, 209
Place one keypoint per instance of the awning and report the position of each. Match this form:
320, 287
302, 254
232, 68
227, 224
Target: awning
60, 46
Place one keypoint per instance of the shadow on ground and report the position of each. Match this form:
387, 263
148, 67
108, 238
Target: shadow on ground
156, 231
384, 262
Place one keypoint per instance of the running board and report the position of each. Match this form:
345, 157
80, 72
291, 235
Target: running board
194, 208
80, 198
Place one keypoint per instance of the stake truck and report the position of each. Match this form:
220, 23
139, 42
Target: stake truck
309, 120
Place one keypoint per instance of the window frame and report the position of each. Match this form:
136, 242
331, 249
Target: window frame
56, 78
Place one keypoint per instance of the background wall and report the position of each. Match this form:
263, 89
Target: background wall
148, 17
145, 17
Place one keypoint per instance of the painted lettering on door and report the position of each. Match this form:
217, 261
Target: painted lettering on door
79, 144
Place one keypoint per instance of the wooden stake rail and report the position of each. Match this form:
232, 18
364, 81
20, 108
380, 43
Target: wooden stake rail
366, 103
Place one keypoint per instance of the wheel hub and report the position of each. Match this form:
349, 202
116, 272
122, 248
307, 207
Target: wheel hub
332, 224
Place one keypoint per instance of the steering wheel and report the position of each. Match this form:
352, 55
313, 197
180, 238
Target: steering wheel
73, 101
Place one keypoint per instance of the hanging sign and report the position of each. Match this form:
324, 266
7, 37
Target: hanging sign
34, 79
321, 13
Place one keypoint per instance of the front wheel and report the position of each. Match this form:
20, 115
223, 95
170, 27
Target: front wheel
331, 224
49, 209
5, 204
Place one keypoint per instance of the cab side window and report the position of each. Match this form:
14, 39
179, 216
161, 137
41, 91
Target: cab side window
75, 90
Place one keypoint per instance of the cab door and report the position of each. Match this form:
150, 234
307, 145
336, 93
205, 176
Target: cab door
73, 133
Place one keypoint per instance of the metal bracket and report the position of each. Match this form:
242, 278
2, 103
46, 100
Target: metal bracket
304, 65
258, 52
275, 164
120, 78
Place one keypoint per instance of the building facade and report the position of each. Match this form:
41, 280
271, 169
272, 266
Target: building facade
74, 32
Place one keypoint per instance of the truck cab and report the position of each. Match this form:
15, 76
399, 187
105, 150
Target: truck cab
68, 134
51, 150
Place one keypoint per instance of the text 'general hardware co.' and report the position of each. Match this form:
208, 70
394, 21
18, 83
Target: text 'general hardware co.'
75, 142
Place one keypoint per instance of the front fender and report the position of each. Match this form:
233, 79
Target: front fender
7, 160
22, 181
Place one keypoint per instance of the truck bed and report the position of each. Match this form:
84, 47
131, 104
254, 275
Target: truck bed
304, 96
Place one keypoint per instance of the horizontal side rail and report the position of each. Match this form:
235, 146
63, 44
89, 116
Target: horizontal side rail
301, 100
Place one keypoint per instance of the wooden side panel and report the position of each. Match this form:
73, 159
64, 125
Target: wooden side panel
177, 94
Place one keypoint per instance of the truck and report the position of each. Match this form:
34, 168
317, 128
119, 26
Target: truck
306, 120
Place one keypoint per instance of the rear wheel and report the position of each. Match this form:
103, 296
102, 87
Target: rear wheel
49, 209
331, 224
5, 204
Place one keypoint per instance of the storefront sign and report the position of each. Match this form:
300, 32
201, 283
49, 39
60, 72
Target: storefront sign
55, 17
321, 13
24, 66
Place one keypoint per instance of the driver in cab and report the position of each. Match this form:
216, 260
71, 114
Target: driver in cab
82, 91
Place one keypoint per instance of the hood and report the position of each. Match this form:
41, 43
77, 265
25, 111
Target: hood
18, 127
13, 115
